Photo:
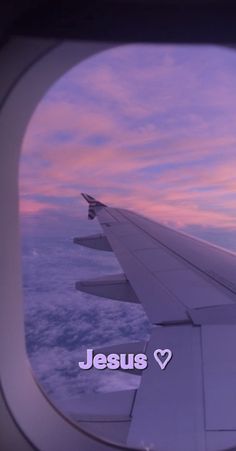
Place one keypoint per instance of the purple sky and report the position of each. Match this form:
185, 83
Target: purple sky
145, 127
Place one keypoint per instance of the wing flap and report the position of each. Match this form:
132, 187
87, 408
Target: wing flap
214, 315
97, 241
112, 406
114, 286
219, 369
169, 408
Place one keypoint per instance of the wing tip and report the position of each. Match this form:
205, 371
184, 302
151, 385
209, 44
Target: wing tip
92, 201
87, 197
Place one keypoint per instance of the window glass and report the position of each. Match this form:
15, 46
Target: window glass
149, 128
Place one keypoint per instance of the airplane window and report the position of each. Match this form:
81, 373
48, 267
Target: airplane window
148, 128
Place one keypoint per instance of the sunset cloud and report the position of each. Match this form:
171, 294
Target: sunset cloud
151, 128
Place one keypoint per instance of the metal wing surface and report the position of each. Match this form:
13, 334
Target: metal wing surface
187, 288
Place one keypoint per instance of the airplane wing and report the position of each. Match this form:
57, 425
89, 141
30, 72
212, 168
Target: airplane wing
187, 288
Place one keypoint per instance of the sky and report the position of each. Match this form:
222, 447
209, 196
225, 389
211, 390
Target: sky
145, 127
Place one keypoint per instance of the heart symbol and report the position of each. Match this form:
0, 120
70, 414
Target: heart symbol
166, 353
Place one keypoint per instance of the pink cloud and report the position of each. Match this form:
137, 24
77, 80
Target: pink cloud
28, 206
185, 149
71, 171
